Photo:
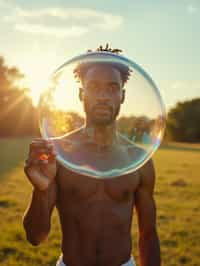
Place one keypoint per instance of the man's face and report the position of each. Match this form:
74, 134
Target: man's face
102, 94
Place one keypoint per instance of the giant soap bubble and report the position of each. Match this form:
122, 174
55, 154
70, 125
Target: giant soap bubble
103, 113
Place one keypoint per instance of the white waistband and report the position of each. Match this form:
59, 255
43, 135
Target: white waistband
128, 263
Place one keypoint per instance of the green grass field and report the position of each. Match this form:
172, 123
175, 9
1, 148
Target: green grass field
177, 196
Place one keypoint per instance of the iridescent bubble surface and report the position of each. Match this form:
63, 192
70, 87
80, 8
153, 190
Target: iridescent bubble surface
103, 113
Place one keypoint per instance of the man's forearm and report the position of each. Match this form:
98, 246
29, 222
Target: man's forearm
149, 249
36, 219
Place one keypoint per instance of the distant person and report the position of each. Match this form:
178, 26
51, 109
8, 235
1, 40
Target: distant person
95, 215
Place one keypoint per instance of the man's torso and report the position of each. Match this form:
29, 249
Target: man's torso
96, 218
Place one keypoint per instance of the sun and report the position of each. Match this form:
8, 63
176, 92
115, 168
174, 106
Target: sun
38, 79
35, 96
36, 83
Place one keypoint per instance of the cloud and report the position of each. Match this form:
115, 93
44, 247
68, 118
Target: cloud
192, 9
62, 22
74, 31
3, 3
186, 85
178, 85
7, 4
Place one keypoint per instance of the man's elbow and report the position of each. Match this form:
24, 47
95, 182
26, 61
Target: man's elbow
33, 241
35, 238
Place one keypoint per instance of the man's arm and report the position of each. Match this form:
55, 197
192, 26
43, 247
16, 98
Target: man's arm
41, 170
37, 217
149, 247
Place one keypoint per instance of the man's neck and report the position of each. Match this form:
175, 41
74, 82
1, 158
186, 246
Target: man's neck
102, 135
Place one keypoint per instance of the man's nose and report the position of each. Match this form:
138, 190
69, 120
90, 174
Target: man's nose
103, 94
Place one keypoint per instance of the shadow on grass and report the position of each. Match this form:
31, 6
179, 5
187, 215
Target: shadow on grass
181, 147
13, 152
5, 252
6, 203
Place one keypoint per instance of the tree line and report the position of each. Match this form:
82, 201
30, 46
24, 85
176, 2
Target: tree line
18, 116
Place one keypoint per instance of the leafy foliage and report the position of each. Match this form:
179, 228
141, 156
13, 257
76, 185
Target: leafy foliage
184, 121
17, 116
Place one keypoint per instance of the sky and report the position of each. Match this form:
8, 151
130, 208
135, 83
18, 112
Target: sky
163, 37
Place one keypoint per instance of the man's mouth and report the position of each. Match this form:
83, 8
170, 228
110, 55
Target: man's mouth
103, 108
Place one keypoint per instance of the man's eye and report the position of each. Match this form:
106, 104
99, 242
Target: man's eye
113, 88
93, 87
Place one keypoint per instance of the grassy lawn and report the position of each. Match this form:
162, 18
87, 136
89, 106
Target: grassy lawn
176, 194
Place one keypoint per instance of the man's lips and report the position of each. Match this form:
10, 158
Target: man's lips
103, 108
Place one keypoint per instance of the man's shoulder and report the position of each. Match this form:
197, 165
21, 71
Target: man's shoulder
148, 166
147, 174
133, 149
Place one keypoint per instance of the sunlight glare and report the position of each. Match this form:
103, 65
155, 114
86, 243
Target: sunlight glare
66, 92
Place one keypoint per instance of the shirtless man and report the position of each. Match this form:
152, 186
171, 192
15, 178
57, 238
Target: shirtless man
95, 215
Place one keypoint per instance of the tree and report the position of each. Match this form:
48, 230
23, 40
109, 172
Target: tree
17, 115
183, 122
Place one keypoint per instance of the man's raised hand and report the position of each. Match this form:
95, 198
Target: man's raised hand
40, 166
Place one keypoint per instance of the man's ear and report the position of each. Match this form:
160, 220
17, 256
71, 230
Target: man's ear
123, 96
81, 94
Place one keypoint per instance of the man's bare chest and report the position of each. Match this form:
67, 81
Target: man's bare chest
73, 187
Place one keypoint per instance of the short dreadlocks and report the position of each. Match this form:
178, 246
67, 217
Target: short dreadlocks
82, 68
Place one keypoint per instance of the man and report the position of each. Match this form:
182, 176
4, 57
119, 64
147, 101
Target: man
95, 215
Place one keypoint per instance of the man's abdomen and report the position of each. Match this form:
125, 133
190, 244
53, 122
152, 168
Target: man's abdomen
97, 234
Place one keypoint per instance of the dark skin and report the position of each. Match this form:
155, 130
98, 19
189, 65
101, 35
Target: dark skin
95, 214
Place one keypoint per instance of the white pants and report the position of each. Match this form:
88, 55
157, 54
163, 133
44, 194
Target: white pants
128, 263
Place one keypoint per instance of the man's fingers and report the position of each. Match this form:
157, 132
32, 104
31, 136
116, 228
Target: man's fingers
38, 148
31, 162
34, 162
42, 153
36, 145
